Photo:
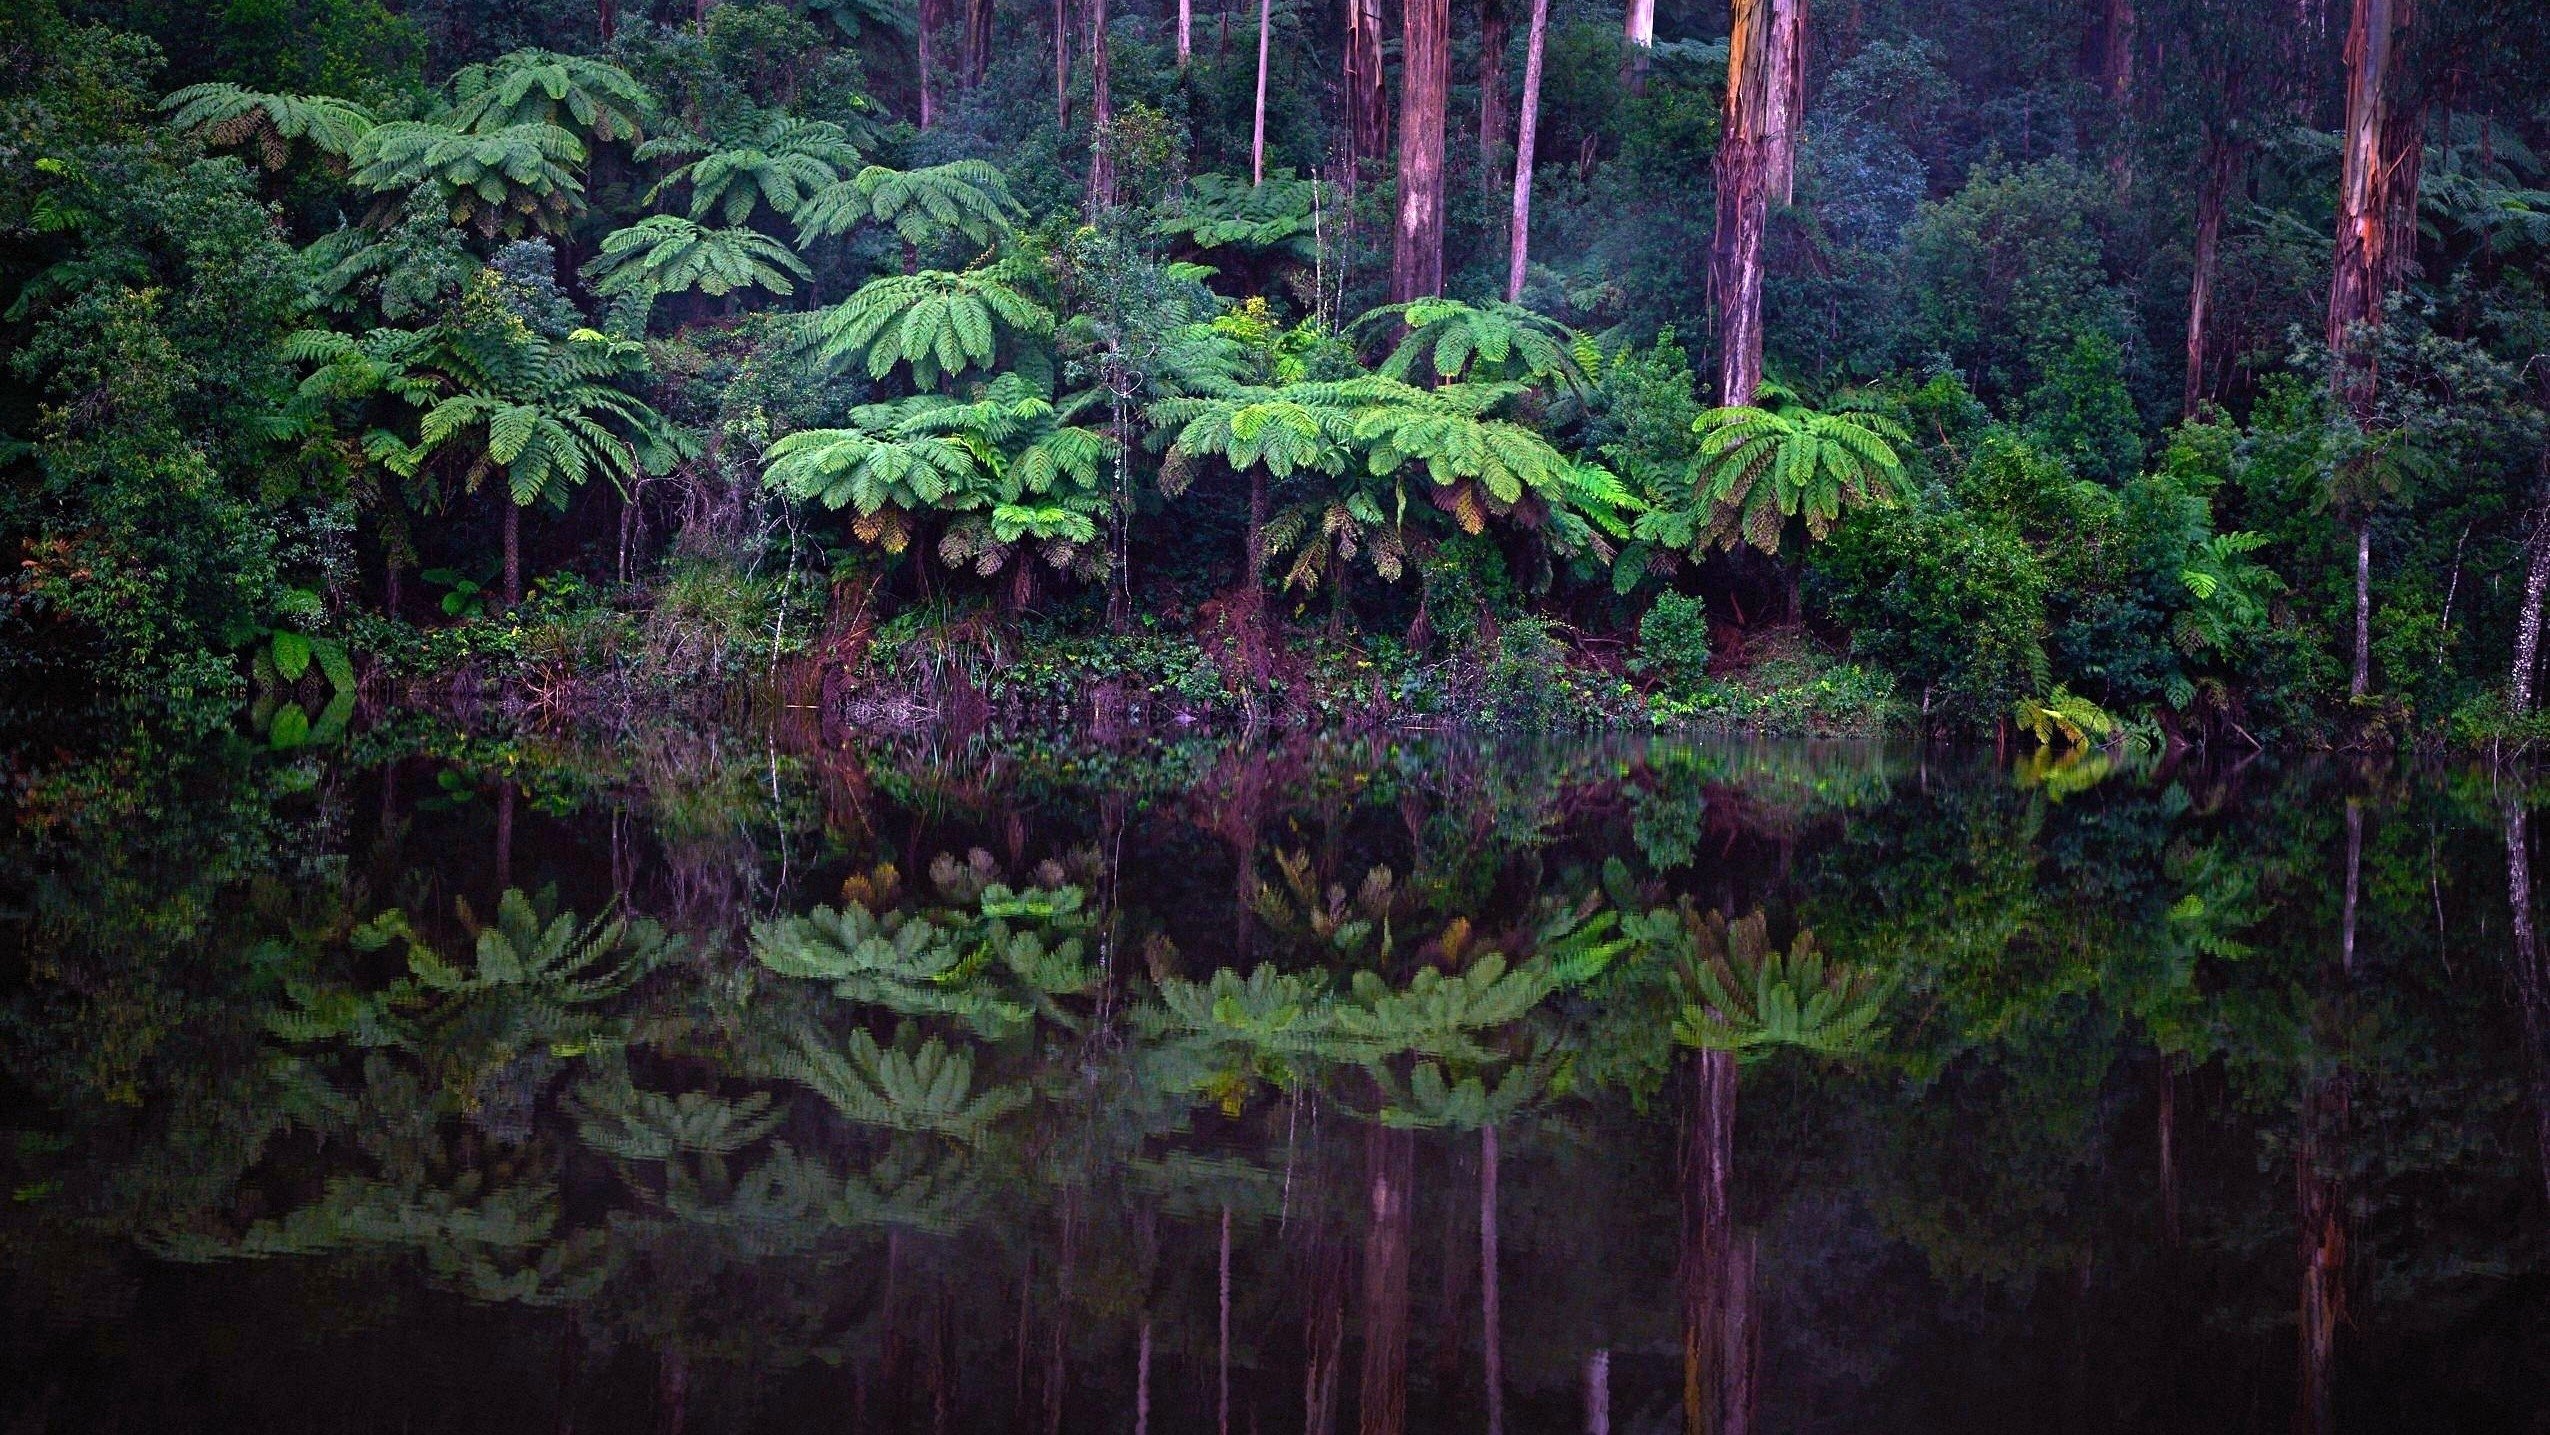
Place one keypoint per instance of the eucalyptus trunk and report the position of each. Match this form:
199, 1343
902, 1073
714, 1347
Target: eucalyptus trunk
1062, 66
1102, 115
1598, 1393
1425, 84
2213, 196
1186, 32
1494, 25
1519, 239
2379, 149
1257, 119
926, 25
1756, 160
2536, 580
1367, 97
1638, 43
2532, 980
1707, 1159
2361, 681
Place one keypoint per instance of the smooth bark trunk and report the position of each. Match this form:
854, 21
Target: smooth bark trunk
1383, 1408
1755, 161
1102, 115
1494, 24
2212, 198
1257, 120
1638, 43
1186, 32
2361, 682
1598, 1393
1519, 239
2536, 580
925, 28
1425, 81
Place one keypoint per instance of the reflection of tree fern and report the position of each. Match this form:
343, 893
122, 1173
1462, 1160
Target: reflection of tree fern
1439, 1013
925, 1088
623, 1120
996, 968
1330, 919
1432, 1098
1746, 996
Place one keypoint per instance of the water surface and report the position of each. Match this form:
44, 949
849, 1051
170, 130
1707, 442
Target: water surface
1327, 1085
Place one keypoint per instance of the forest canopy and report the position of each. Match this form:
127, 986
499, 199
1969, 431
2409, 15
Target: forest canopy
2142, 371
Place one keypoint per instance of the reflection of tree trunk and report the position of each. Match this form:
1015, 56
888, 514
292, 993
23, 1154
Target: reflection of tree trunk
2320, 1196
2168, 1152
1425, 82
2354, 883
2532, 982
1491, 1314
1142, 1343
504, 836
1223, 1404
672, 1391
1598, 1393
1519, 240
1323, 1334
1708, 1154
1391, 1156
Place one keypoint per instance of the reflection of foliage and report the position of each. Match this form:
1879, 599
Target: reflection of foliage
1745, 995
905, 1087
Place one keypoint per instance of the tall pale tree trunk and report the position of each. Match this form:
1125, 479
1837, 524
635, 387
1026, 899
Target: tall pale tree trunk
1425, 89
1526, 141
1062, 65
1186, 32
1102, 115
2381, 152
1142, 1378
1598, 1393
2361, 681
2213, 196
927, 24
1257, 121
1367, 97
1638, 36
1494, 25
2536, 580
1765, 98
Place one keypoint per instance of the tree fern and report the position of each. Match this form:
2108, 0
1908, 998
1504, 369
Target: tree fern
1450, 341
267, 125
663, 254
1218, 211
495, 181
595, 98
1759, 468
922, 206
938, 323
781, 163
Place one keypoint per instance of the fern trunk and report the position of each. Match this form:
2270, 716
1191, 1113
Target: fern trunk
1425, 80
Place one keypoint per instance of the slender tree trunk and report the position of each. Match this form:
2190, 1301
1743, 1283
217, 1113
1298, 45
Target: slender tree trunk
1519, 239
2361, 683
2536, 581
2321, 1199
1494, 25
926, 28
1323, 1334
1491, 1301
1765, 95
1383, 1408
1425, 81
1062, 66
1257, 122
2354, 883
1638, 36
513, 548
2222, 164
1367, 97
607, 15
2116, 69
1598, 1393
1102, 115
978, 40
1186, 32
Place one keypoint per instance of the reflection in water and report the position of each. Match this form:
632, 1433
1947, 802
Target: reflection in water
1333, 1086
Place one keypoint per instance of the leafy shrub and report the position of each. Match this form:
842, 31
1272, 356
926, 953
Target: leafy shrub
1943, 599
1673, 641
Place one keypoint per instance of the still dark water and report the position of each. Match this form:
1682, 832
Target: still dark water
1339, 1086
